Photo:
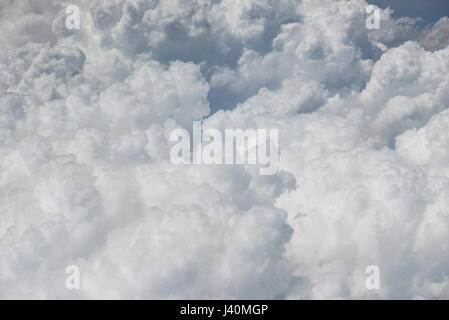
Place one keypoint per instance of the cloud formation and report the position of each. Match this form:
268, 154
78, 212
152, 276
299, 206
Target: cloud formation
86, 178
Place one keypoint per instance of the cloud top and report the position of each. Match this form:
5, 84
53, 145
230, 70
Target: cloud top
86, 177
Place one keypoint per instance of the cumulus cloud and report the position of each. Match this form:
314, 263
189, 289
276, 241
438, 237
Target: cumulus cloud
86, 178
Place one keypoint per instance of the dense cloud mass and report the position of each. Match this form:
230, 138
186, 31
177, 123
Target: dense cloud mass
86, 176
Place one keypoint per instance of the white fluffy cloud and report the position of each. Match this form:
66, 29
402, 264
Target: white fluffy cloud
85, 120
